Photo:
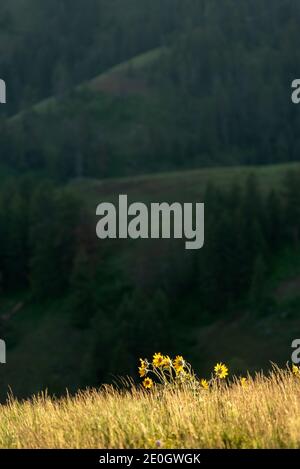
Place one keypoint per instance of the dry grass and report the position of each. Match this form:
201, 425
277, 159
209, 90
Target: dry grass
265, 414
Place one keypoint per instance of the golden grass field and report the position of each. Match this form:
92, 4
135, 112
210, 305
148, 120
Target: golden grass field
264, 413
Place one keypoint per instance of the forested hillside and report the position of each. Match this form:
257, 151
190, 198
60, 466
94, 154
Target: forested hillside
116, 300
215, 92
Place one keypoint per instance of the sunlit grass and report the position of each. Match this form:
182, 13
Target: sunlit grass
263, 412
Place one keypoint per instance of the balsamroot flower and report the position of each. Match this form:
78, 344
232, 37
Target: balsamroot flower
204, 383
143, 368
158, 360
167, 362
179, 364
221, 370
147, 383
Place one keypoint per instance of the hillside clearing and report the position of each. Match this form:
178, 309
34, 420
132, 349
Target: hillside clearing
181, 185
116, 80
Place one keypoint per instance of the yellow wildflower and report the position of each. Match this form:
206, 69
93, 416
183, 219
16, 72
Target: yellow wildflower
204, 383
167, 361
181, 375
244, 382
148, 383
143, 368
158, 360
178, 364
221, 370
296, 370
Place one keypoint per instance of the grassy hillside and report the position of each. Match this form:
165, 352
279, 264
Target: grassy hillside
181, 185
260, 413
120, 79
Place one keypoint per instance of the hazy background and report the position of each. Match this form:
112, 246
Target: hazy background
163, 100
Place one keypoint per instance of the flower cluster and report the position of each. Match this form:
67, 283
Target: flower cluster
167, 371
163, 370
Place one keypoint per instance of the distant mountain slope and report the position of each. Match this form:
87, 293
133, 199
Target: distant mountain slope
120, 79
174, 87
36, 331
50, 47
179, 185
